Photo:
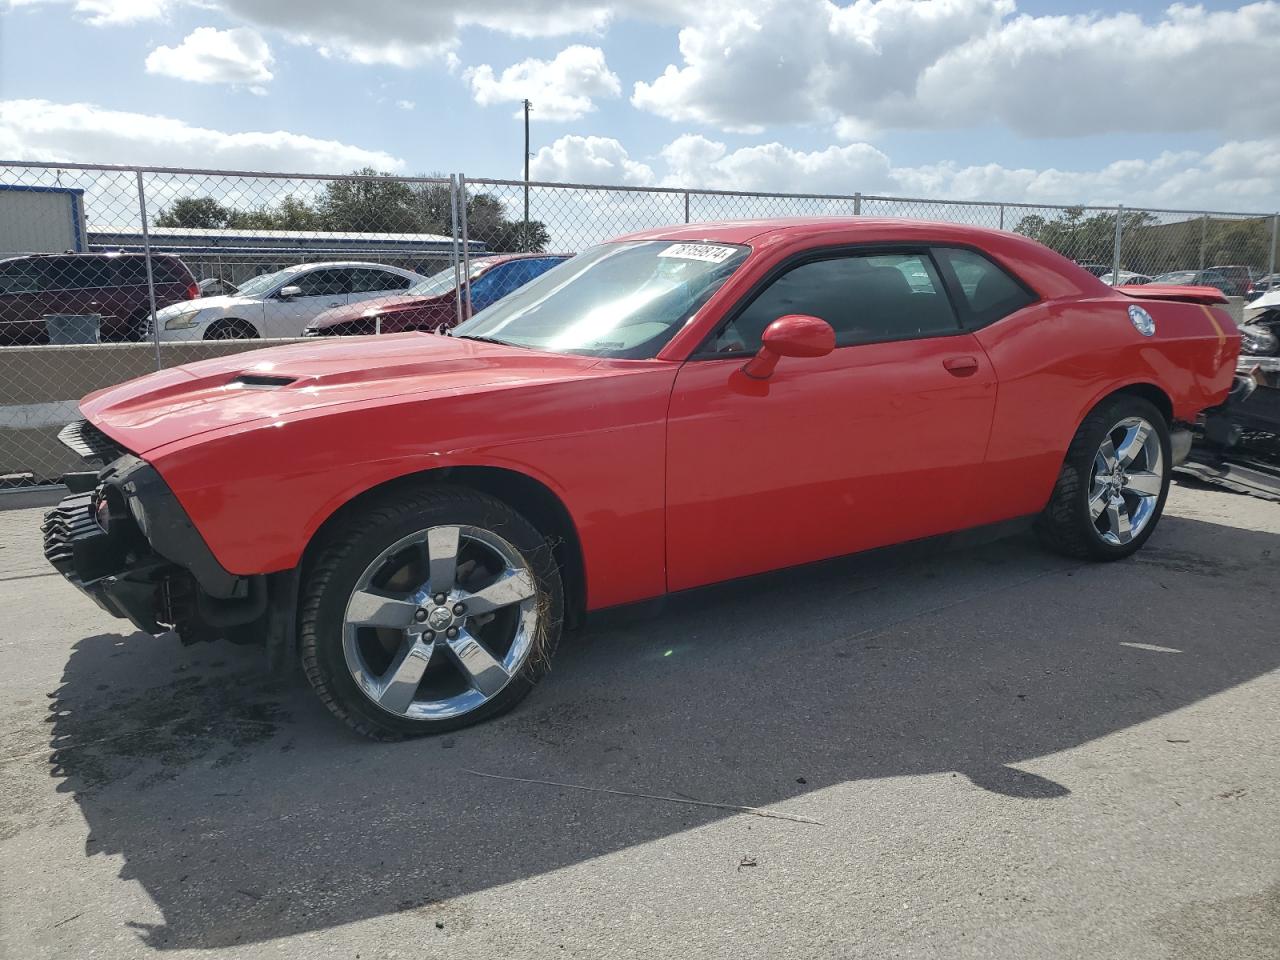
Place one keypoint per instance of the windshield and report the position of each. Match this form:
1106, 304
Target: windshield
262, 283
615, 300
444, 280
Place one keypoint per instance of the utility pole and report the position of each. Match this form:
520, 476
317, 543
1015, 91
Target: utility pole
525, 239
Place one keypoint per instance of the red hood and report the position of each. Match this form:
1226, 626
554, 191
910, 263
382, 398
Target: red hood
275, 383
382, 305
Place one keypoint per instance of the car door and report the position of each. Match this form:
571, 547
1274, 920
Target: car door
881, 441
73, 284
318, 290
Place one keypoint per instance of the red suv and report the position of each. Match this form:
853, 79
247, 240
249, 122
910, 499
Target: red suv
112, 285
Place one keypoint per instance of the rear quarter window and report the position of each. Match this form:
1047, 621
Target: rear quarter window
987, 291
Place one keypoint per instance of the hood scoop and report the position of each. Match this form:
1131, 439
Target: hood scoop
262, 381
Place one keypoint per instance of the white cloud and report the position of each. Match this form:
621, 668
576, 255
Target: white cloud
561, 89
835, 169
945, 63
102, 12
41, 130
405, 104
574, 159
1239, 175
396, 32
206, 55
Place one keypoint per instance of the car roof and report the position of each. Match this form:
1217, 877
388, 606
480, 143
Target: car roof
868, 228
104, 254
493, 259
330, 264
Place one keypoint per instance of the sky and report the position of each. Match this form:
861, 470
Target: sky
1046, 101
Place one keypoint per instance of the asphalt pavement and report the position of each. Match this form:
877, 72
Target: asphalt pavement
989, 752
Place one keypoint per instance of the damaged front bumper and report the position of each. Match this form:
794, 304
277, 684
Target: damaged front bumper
99, 564
124, 539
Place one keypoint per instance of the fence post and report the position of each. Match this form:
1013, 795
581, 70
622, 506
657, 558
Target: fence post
686, 206
857, 204
1204, 223
1002, 216
1115, 259
453, 232
151, 281
466, 242
1275, 228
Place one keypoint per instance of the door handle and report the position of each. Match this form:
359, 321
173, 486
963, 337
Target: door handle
961, 366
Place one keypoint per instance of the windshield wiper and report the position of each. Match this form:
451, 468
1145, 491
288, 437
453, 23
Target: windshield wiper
471, 336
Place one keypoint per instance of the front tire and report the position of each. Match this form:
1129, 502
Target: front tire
428, 611
1114, 481
231, 330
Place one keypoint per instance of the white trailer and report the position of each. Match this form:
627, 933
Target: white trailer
41, 219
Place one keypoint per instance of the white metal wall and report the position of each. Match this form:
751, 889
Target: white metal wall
41, 221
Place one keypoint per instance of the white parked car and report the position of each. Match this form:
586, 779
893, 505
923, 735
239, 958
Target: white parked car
1127, 279
281, 304
1264, 304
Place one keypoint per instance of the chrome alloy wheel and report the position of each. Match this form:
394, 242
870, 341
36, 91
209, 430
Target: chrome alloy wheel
439, 623
1127, 477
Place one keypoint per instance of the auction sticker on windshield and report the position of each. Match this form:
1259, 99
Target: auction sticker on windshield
710, 252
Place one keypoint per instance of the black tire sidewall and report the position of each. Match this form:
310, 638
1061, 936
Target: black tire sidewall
1108, 417
370, 532
243, 330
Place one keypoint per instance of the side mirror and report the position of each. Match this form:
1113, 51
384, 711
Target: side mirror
795, 335
289, 292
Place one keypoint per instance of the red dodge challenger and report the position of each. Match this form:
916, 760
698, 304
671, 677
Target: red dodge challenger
416, 516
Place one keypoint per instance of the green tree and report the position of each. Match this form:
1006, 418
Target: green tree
369, 201
487, 223
1092, 238
194, 213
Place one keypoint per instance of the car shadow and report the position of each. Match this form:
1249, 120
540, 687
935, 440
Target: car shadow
247, 814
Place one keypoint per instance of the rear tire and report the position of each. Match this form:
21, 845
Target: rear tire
427, 666
1104, 506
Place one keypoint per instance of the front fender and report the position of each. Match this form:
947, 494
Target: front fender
258, 493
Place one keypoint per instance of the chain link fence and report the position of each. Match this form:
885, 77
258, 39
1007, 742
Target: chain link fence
107, 273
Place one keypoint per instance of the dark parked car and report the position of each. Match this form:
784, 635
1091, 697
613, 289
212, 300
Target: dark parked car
432, 303
1263, 285
1212, 277
112, 285
1236, 280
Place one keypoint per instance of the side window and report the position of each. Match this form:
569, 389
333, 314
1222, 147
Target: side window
988, 290
322, 283
18, 276
377, 281
131, 271
60, 273
866, 299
